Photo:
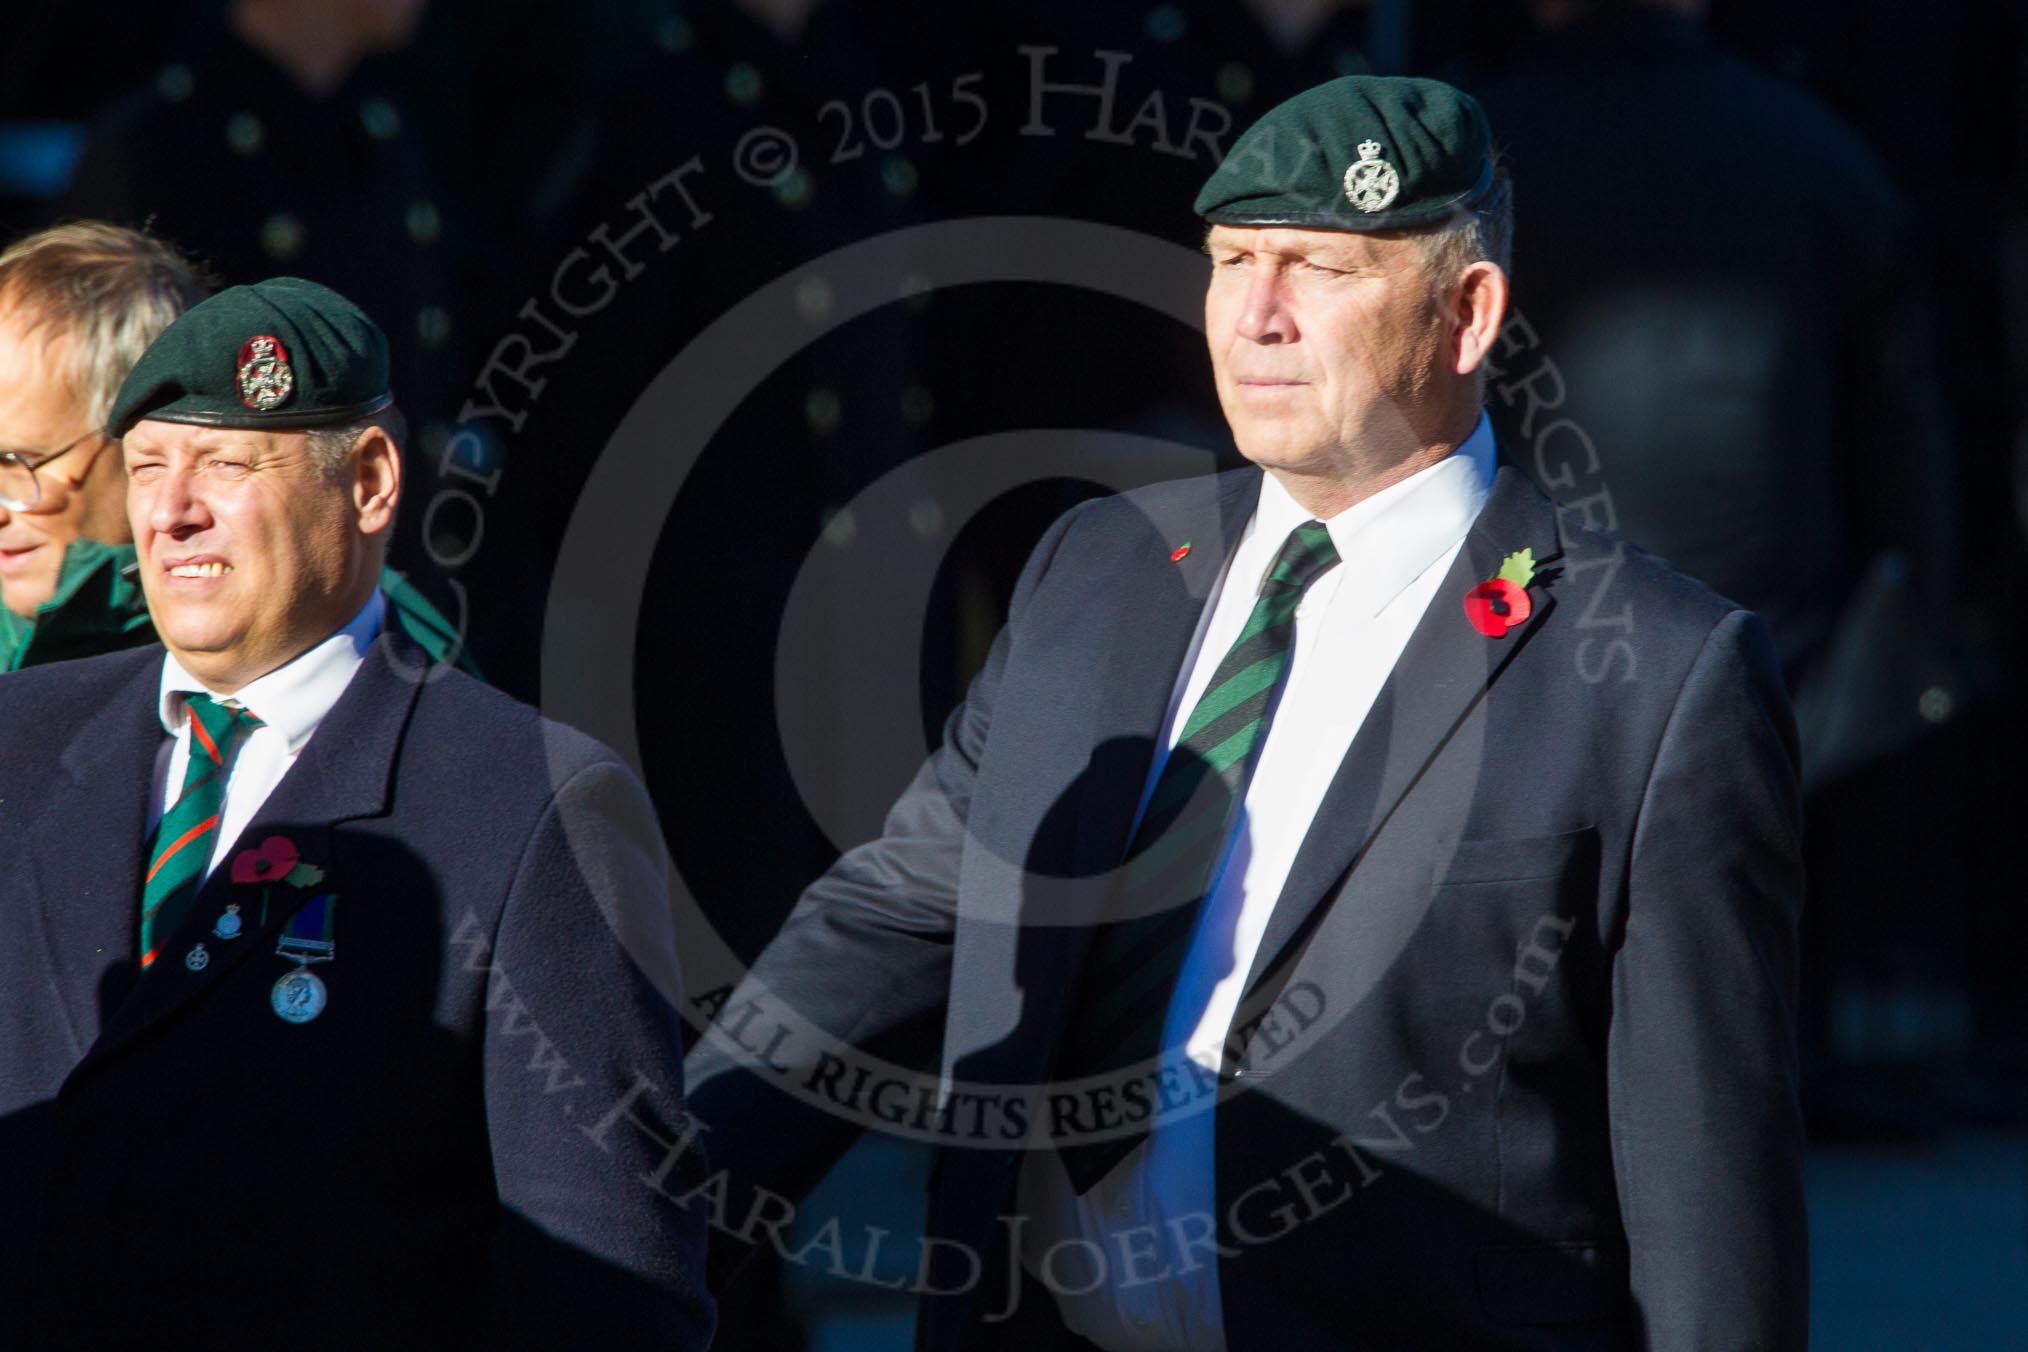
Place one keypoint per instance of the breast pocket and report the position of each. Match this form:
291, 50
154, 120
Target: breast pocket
1519, 916
1516, 860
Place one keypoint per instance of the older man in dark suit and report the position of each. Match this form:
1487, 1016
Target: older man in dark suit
1355, 904
340, 1006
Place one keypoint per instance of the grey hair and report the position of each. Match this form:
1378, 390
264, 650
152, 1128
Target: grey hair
1484, 232
329, 446
108, 290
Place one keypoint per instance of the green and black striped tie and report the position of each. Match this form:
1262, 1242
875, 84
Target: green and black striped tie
188, 831
1130, 973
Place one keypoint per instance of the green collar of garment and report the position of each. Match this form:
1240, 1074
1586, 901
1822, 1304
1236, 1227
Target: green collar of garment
97, 608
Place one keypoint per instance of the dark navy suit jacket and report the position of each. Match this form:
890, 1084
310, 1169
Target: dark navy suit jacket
1523, 1074
454, 1152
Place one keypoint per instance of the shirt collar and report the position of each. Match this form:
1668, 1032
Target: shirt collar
1386, 541
294, 697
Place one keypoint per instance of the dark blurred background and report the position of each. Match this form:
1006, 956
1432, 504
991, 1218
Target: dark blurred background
1771, 274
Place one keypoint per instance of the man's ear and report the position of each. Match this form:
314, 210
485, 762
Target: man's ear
1478, 308
376, 479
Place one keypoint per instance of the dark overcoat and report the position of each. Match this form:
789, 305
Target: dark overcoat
463, 1149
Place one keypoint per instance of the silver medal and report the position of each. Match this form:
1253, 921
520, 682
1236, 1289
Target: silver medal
298, 996
197, 959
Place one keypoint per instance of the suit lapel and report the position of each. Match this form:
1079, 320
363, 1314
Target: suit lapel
1161, 600
85, 858
342, 775
1443, 672
1152, 602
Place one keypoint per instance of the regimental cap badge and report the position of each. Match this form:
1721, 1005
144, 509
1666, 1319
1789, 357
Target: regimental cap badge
266, 379
1371, 183
1370, 153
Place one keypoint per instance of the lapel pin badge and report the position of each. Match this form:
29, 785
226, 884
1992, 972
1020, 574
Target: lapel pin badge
1501, 601
197, 959
273, 860
228, 925
1182, 552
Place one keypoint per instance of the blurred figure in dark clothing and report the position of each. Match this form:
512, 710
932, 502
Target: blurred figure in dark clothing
1733, 362
270, 146
820, 427
1935, 90
1730, 361
664, 231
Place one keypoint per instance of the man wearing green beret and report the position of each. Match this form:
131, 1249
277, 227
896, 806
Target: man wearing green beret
79, 303
1355, 904
342, 1007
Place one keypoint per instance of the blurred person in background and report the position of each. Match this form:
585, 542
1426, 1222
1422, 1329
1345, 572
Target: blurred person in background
274, 139
1734, 364
79, 304
1738, 356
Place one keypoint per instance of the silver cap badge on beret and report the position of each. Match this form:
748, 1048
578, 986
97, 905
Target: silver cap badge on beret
265, 378
1371, 183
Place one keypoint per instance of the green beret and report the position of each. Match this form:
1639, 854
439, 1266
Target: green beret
280, 354
1366, 152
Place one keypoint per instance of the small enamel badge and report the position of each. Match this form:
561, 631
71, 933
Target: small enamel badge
266, 380
1501, 601
1181, 553
197, 959
1371, 183
228, 925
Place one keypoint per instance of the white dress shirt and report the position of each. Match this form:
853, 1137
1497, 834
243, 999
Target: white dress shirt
1158, 1292
290, 702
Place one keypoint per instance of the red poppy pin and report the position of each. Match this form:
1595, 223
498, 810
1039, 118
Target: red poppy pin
1501, 601
275, 859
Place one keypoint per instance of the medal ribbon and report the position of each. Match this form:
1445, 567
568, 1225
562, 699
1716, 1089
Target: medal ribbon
308, 937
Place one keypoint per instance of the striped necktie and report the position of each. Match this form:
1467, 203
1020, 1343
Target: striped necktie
188, 831
1130, 974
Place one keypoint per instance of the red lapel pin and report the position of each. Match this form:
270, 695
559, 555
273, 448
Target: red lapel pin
1181, 550
1501, 601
